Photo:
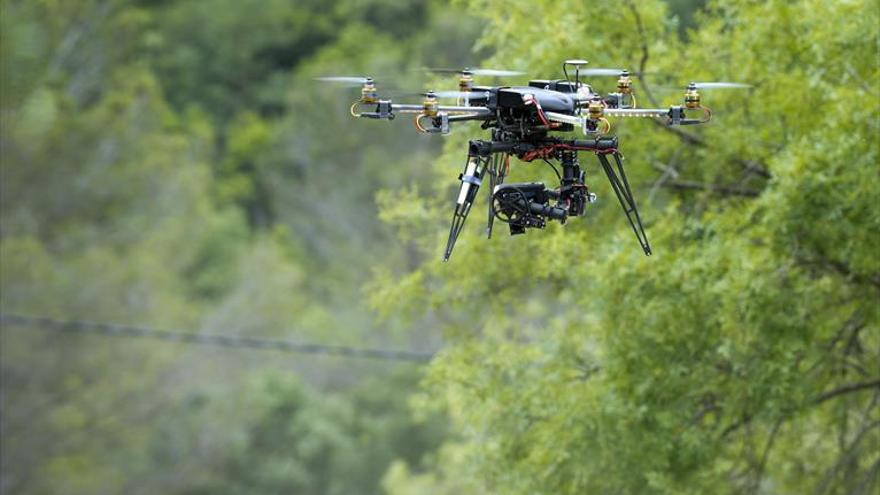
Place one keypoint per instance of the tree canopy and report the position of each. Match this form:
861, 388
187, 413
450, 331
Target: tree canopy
741, 357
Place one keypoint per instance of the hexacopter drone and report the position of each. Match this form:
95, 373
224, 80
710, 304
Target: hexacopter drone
521, 119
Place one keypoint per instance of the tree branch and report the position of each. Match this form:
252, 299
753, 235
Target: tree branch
755, 167
759, 472
846, 389
727, 190
824, 397
841, 268
643, 42
846, 456
748, 165
869, 476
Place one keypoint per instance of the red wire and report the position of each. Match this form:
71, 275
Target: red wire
547, 150
541, 112
534, 101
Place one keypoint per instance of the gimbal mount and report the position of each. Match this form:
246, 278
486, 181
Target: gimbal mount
526, 205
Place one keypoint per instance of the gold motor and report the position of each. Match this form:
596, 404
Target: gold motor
692, 97
430, 104
368, 92
624, 83
596, 108
466, 81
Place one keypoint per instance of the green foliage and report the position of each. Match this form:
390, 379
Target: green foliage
167, 164
228, 56
303, 442
174, 164
741, 357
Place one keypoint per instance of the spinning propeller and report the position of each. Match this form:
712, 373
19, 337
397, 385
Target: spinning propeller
454, 94
603, 72
369, 94
719, 85
466, 75
692, 93
475, 72
350, 81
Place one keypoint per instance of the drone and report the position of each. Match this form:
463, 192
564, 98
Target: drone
524, 122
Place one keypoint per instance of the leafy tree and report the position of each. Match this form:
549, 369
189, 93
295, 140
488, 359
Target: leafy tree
229, 56
149, 163
742, 356
304, 442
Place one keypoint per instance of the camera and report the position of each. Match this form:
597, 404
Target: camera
526, 205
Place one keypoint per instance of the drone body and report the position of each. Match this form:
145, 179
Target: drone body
523, 121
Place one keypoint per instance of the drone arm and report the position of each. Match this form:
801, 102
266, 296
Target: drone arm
675, 114
603, 144
385, 109
407, 108
565, 119
637, 112
481, 111
438, 115
468, 116
412, 108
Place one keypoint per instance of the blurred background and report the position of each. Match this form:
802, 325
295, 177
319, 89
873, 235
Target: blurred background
175, 166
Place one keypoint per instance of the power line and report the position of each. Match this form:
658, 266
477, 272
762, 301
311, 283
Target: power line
109, 329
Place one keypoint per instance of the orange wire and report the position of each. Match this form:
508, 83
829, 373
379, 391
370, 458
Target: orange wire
707, 114
419, 125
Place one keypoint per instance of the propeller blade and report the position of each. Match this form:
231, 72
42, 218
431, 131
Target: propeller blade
496, 72
476, 72
601, 72
656, 73
703, 85
722, 85
439, 94
345, 80
461, 94
439, 70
